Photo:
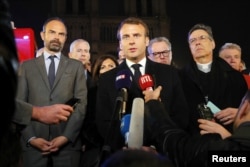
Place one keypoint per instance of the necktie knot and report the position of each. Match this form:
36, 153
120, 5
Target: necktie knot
52, 57
136, 66
137, 72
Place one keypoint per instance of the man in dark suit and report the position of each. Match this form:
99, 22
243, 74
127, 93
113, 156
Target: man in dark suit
56, 145
133, 35
209, 78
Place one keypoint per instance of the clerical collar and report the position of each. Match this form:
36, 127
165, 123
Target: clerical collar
204, 67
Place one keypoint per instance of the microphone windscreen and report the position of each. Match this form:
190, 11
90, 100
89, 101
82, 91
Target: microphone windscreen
135, 137
123, 79
125, 122
146, 81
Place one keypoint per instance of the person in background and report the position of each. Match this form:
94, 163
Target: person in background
80, 50
121, 56
159, 50
39, 52
133, 36
103, 64
209, 78
187, 150
57, 144
231, 53
90, 135
244, 68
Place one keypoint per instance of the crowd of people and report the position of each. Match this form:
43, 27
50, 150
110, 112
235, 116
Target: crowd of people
44, 128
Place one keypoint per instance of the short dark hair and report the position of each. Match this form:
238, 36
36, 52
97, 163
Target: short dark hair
201, 26
133, 20
52, 19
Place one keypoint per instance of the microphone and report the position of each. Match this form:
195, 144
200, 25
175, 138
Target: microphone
125, 123
135, 136
146, 82
123, 82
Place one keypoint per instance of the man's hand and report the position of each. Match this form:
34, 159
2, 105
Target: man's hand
43, 145
52, 114
207, 126
152, 95
58, 142
227, 115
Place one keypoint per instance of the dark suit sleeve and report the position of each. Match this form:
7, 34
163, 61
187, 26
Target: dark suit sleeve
23, 113
179, 104
172, 95
103, 106
22, 107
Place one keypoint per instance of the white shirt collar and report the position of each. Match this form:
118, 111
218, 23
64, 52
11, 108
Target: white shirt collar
46, 55
142, 63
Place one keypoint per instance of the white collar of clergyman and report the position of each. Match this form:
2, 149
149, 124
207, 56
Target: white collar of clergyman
204, 67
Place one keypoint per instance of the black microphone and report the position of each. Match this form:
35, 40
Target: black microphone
132, 125
123, 82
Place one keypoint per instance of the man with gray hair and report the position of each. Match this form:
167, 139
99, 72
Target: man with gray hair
80, 50
231, 53
159, 50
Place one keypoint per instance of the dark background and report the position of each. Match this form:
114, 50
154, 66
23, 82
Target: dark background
228, 19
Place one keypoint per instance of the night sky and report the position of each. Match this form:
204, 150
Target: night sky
229, 21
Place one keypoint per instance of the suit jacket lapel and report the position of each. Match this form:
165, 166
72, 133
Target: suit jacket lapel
149, 69
42, 69
61, 68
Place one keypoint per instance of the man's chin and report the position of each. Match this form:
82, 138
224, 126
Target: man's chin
55, 49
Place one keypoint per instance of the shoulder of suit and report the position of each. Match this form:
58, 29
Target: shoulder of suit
29, 61
69, 59
161, 66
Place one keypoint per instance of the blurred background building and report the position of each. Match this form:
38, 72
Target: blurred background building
95, 20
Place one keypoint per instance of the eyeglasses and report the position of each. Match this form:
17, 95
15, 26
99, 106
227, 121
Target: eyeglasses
164, 53
200, 38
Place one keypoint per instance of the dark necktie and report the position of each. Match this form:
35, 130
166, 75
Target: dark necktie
51, 74
137, 73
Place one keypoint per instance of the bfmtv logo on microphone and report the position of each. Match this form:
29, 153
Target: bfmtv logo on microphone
119, 77
123, 79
